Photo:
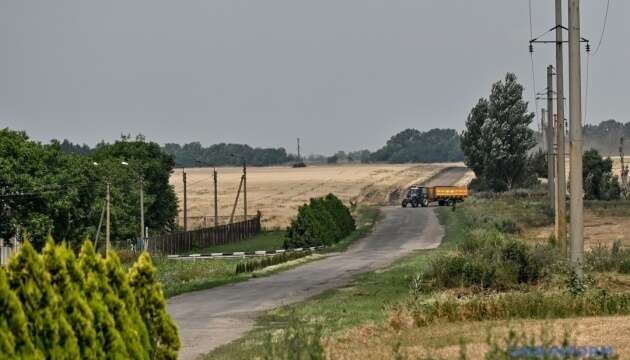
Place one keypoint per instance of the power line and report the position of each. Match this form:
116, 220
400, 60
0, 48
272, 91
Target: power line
601, 37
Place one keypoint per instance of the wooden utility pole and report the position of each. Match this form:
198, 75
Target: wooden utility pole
245, 190
551, 173
561, 185
216, 199
575, 116
185, 201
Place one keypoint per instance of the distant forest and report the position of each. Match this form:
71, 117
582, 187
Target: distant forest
408, 146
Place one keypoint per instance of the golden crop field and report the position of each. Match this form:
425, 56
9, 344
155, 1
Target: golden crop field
278, 191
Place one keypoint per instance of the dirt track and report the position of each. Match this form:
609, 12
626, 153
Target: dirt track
214, 317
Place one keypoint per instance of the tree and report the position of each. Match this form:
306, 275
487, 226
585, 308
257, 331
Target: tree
497, 138
412, 145
151, 304
599, 183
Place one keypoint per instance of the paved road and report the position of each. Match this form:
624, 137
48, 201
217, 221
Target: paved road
214, 317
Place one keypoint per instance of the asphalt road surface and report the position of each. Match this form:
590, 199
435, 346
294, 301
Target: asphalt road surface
210, 318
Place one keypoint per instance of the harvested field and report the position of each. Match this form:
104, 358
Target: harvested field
278, 191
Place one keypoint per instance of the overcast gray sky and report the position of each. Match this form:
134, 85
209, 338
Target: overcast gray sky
341, 74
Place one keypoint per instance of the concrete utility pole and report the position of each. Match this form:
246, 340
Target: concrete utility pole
299, 155
107, 227
216, 200
575, 116
551, 174
185, 201
561, 185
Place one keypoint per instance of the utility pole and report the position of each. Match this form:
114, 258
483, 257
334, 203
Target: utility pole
142, 234
216, 200
575, 116
245, 190
551, 174
624, 169
561, 185
185, 201
107, 227
299, 155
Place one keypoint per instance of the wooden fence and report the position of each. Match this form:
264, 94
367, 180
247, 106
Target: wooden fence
183, 241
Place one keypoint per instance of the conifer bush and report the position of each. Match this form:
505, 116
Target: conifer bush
323, 221
15, 339
56, 305
48, 326
150, 300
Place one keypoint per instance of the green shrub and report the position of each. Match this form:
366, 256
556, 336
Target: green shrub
15, 339
49, 329
323, 221
486, 259
615, 258
108, 335
57, 260
152, 306
255, 264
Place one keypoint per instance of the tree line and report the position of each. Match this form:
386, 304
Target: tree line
46, 190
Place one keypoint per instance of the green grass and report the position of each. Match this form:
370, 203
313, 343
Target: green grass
181, 276
266, 240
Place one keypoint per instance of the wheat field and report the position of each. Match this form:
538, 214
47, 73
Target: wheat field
277, 192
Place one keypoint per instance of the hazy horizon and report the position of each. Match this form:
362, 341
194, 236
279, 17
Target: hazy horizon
341, 75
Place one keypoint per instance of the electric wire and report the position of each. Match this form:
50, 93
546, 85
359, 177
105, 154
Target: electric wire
601, 37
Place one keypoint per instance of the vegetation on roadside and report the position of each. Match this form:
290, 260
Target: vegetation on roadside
323, 221
256, 264
56, 305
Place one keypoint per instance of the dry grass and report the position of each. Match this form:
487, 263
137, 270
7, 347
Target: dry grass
278, 191
604, 230
443, 341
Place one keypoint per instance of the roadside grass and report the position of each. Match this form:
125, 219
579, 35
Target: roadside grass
266, 240
182, 276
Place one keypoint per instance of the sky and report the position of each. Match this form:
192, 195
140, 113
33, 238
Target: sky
340, 74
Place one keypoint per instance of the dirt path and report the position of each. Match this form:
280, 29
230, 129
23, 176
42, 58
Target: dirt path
214, 317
